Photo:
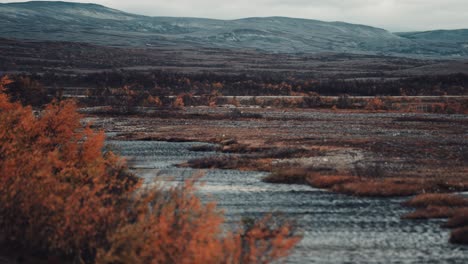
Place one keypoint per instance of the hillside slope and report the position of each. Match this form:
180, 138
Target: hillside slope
62, 21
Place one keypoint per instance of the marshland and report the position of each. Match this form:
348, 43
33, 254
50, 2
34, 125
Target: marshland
127, 138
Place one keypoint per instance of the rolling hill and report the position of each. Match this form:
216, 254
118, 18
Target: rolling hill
96, 24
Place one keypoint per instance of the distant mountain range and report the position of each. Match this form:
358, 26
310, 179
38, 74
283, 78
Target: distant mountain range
96, 24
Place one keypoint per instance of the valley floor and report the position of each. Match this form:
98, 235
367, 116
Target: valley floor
430, 149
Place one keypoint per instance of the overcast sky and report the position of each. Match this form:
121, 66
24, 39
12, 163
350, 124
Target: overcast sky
394, 15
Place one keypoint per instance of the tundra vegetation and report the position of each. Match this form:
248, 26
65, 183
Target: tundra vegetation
355, 153
125, 92
363, 125
274, 122
63, 198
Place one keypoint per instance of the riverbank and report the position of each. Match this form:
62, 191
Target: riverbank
358, 153
336, 228
365, 144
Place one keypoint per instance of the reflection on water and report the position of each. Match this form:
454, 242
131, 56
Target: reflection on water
337, 228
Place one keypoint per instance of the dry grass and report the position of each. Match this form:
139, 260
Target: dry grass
459, 219
435, 205
288, 176
393, 187
232, 146
214, 162
390, 187
261, 160
437, 199
351, 185
247, 158
346, 184
284, 153
329, 181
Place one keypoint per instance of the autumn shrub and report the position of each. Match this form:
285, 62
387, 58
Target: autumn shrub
262, 241
179, 101
152, 101
62, 195
375, 104
124, 100
313, 100
178, 228
234, 101
292, 102
27, 90
52, 174
166, 226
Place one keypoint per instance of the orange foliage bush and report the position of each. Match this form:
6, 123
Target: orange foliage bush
153, 101
179, 102
175, 228
178, 228
60, 194
375, 104
52, 173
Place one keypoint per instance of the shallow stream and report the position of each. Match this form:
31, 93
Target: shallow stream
337, 228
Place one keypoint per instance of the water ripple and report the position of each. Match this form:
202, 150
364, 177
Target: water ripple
337, 228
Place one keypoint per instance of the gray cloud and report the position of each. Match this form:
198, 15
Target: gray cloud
394, 15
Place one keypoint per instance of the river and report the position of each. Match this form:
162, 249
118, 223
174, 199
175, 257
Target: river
336, 228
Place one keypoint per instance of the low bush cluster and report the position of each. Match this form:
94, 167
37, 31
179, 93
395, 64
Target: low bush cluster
62, 196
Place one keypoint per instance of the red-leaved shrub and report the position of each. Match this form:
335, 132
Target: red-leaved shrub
61, 195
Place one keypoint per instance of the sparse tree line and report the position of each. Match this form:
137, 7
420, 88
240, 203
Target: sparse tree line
267, 83
125, 91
